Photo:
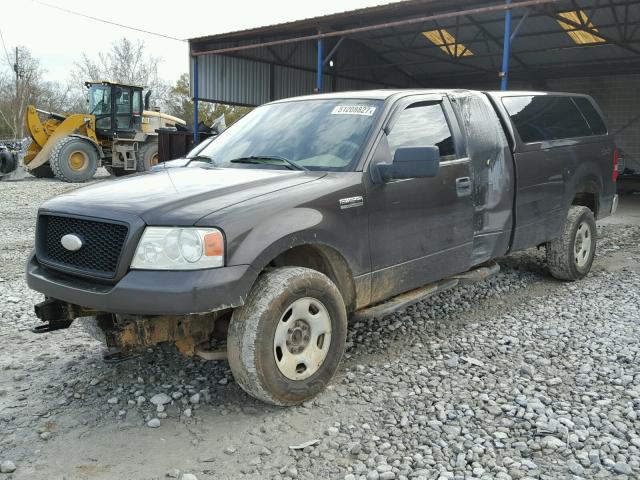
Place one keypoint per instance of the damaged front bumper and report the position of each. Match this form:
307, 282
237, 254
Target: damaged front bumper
146, 292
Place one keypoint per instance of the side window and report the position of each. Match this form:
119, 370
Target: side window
137, 102
591, 114
541, 118
422, 125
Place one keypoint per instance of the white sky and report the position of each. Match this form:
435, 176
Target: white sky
58, 38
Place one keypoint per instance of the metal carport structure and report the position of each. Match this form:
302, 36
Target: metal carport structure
590, 46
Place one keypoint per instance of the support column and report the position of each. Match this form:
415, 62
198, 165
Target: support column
196, 97
320, 65
506, 47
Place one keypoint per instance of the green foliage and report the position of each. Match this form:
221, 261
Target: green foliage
179, 104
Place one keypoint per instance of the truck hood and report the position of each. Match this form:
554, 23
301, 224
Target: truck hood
177, 196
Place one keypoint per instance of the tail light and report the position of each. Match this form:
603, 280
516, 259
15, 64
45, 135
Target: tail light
614, 175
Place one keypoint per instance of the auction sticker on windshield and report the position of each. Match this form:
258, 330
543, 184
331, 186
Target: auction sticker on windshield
365, 110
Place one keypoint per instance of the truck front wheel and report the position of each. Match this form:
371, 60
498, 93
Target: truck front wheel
286, 342
570, 257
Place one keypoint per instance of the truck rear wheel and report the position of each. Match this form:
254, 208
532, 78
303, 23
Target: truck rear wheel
286, 342
570, 257
74, 160
147, 157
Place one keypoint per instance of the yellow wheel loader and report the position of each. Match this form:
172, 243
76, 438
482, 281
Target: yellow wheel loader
116, 133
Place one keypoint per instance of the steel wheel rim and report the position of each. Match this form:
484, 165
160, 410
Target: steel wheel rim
154, 159
582, 249
302, 338
78, 160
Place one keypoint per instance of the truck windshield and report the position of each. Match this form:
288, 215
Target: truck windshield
318, 134
100, 100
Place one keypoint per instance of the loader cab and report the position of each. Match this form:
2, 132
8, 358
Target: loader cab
117, 109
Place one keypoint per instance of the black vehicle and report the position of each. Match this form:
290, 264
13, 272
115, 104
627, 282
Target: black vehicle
313, 209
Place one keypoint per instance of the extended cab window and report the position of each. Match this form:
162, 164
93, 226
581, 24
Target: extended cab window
591, 114
546, 117
422, 125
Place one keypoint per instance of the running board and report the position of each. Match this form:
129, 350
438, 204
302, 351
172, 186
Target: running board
419, 294
477, 274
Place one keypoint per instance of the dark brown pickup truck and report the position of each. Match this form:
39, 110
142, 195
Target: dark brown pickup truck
311, 210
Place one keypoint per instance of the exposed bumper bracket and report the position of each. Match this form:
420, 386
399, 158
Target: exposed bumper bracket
51, 326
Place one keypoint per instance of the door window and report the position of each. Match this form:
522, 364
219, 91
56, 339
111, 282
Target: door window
422, 125
123, 109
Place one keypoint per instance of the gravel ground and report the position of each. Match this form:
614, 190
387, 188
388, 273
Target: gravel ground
517, 377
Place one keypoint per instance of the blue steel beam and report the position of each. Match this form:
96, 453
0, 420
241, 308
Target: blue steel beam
320, 65
195, 100
506, 47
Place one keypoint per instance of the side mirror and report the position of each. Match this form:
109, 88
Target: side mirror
411, 162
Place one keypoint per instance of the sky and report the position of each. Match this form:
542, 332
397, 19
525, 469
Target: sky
58, 38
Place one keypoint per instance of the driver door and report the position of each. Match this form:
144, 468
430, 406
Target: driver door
420, 229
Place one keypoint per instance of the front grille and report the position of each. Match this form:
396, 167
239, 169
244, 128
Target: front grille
103, 242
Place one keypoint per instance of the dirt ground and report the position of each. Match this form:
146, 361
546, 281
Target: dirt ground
444, 389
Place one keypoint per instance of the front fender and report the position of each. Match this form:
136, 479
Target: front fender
275, 235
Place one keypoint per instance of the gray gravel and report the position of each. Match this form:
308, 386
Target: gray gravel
517, 377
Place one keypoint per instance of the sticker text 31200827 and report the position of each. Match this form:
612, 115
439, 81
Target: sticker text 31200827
353, 110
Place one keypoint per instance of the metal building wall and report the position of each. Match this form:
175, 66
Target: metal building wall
262, 75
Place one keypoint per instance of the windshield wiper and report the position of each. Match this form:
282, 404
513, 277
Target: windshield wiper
267, 158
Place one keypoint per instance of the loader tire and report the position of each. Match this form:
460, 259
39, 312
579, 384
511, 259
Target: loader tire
43, 171
74, 160
147, 157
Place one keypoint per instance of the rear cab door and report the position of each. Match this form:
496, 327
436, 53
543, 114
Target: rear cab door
420, 229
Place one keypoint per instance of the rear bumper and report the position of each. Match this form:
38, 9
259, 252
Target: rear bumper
145, 292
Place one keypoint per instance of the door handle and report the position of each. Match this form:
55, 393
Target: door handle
463, 186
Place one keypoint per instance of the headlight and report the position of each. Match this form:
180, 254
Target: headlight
166, 248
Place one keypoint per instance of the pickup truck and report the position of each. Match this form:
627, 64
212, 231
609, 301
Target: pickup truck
312, 210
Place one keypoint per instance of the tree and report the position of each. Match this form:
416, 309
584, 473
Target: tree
126, 62
29, 88
180, 104
16, 92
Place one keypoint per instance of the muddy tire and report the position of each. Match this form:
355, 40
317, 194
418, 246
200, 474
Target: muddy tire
74, 160
147, 157
43, 171
285, 344
570, 257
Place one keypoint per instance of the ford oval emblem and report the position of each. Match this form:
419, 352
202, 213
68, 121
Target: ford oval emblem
71, 242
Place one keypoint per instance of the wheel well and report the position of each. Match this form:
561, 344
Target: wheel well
89, 140
325, 260
587, 198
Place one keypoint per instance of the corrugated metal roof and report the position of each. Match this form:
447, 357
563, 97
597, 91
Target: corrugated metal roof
382, 11
402, 57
